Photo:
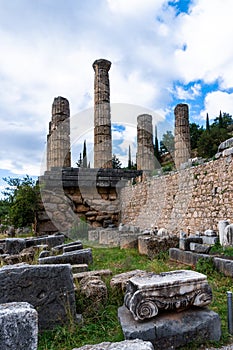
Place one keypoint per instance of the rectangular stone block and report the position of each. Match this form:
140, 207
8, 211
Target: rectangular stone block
209, 240
79, 268
186, 257
83, 256
128, 241
72, 248
93, 235
51, 241
225, 266
18, 326
184, 243
49, 288
173, 330
109, 237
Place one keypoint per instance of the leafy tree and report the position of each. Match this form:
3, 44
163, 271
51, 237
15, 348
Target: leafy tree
116, 163
167, 144
209, 141
22, 196
195, 133
224, 121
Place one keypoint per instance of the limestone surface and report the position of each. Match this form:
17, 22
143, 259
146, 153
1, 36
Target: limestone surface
49, 288
172, 330
136, 344
148, 294
18, 326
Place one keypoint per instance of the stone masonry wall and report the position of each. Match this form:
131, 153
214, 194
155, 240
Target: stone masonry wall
193, 199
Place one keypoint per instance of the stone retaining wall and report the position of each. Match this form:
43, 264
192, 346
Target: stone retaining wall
190, 200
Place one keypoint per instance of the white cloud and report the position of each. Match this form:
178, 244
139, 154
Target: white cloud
216, 101
188, 94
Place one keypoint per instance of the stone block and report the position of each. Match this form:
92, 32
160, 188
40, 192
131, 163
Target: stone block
109, 237
18, 326
79, 268
187, 257
128, 241
148, 295
93, 235
209, 240
199, 248
94, 290
222, 224
82, 275
210, 233
173, 330
224, 265
49, 288
184, 243
153, 245
72, 248
119, 281
51, 241
14, 245
59, 248
83, 256
136, 344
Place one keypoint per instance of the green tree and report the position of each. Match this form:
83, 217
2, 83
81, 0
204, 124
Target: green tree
195, 133
129, 159
209, 141
84, 155
23, 198
207, 122
116, 163
80, 161
156, 145
167, 144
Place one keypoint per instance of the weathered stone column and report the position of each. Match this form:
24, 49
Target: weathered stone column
102, 116
58, 138
182, 135
145, 147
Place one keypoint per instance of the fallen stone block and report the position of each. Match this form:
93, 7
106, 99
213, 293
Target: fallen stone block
173, 330
210, 233
199, 248
79, 276
78, 268
148, 295
14, 245
83, 256
93, 236
209, 240
51, 241
18, 327
119, 281
95, 291
49, 288
153, 245
136, 344
72, 248
59, 248
224, 265
184, 243
109, 237
128, 241
187, 257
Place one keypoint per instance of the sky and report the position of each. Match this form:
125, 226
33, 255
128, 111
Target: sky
162, 53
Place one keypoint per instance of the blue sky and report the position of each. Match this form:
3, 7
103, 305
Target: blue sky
162, 53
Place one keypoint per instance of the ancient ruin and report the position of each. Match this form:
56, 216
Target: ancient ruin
145, 147
182, 135
102, 116
58, 138
147, 295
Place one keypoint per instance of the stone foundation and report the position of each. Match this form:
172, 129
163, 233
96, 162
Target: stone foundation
172, 330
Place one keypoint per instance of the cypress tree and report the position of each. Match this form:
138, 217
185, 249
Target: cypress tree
129, 159
156, 145
220, 120
207, 122
84, 155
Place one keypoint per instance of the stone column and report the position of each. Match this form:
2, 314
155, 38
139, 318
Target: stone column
182, 135
58, 138
145, 147
102, 116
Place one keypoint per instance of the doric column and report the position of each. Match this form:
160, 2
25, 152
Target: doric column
182, 135
102, 115
145, 147
58, 138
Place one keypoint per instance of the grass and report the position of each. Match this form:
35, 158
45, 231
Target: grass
101, 324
